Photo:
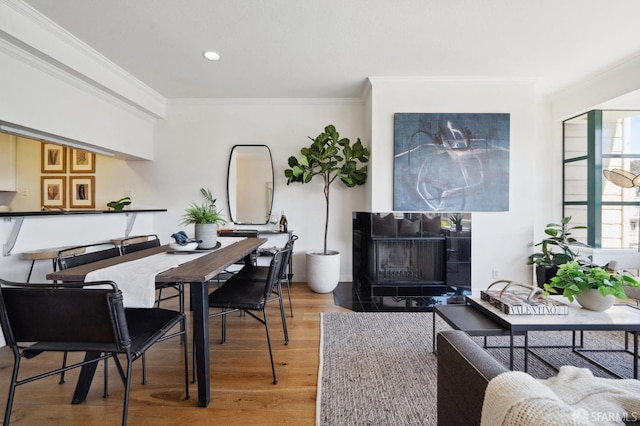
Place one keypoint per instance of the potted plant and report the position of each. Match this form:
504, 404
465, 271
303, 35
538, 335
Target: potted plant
119, 204
456, 220
594, 287
206, 218
332, 158
555, 250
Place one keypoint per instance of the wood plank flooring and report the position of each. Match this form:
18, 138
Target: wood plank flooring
242, 389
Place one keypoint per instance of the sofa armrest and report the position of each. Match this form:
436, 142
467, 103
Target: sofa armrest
464, 370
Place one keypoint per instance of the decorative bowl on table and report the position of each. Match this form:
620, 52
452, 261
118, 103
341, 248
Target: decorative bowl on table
185, 247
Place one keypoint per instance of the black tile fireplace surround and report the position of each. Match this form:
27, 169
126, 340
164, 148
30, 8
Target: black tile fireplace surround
408, 261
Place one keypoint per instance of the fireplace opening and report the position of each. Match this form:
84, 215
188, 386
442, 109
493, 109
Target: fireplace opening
415, 260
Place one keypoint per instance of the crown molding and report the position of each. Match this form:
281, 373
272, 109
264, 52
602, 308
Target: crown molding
31, 31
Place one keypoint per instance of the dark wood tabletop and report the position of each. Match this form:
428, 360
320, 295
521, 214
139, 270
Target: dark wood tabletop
201, 269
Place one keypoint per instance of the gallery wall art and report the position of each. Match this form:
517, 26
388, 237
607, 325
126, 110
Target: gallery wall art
451, 162
81, 189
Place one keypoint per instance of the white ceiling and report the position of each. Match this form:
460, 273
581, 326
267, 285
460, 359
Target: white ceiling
327, 48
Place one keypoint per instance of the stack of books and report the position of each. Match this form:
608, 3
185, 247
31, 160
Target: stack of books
522, 299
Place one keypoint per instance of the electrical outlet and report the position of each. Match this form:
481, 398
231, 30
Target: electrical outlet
25, 191
494, 274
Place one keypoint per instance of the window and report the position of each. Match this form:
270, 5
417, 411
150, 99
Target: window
601, 157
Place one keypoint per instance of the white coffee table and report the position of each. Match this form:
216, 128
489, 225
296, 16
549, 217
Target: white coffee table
621, 317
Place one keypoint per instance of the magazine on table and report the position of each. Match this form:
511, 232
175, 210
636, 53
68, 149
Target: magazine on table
522, 299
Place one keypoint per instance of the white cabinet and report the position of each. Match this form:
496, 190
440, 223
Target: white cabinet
8, 161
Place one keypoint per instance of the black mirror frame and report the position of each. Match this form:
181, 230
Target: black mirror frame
231, 218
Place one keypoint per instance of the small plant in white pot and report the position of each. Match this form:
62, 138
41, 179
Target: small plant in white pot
333, 159
594, 287
206, 217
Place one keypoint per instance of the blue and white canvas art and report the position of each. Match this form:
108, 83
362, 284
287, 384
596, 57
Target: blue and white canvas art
451, 162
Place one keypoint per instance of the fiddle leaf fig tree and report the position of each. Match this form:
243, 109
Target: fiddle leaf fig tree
332, 158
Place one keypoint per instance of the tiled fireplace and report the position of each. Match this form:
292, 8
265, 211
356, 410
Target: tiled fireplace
412, 260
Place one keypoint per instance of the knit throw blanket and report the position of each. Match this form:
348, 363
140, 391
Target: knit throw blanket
573, 397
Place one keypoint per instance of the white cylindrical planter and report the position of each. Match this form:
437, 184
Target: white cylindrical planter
208, 233
323, 271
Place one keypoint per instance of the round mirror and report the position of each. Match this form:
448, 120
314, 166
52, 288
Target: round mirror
250, 184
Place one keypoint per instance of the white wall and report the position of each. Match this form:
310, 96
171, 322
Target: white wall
501, 240
194, 142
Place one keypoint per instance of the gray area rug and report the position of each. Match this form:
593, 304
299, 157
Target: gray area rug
378, 368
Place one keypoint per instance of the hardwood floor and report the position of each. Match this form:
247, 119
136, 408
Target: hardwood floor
242, 390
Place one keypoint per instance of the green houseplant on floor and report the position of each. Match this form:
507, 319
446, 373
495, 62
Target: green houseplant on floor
333, 159
206, 217
594, 287
555, 250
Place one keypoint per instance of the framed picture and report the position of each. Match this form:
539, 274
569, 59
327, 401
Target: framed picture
52, 191
54, 158
82, 161
82, 192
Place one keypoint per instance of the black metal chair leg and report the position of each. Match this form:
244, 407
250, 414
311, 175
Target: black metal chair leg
127, 392
144, 369
283, 315
289, 294
105, 392
12, 390
266, 327
224, 329
64, 364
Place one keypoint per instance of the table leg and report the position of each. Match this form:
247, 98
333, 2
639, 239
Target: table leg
526, 351
30, 271
433, 334
511, 350
200, 308
635, 354
86, 377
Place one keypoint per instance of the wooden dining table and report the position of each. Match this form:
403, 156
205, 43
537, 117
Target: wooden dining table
197, 273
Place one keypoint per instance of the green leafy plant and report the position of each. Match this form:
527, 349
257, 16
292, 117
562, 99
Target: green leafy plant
330, 157
556, 250
119, 204
205, 212
574, 278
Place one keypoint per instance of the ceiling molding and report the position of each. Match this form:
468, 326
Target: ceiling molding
32, 32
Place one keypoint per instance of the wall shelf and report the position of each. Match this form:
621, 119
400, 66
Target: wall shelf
18, 219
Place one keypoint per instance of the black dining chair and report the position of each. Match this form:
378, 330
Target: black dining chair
260, 272
252, 259
249, 296
138, 242
70, 256
81, 255
141, 242
81, 317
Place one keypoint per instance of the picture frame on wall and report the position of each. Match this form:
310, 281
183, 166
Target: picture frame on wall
82, 192
52, 191
53, 158
82, 161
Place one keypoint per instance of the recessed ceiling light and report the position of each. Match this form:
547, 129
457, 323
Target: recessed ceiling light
211, 55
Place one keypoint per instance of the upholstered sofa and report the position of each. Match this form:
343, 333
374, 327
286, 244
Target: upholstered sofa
573, 396
464, 371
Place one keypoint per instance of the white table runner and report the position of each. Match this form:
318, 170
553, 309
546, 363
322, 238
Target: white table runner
137, 278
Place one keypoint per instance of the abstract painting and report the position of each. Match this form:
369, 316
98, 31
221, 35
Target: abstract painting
451, 162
